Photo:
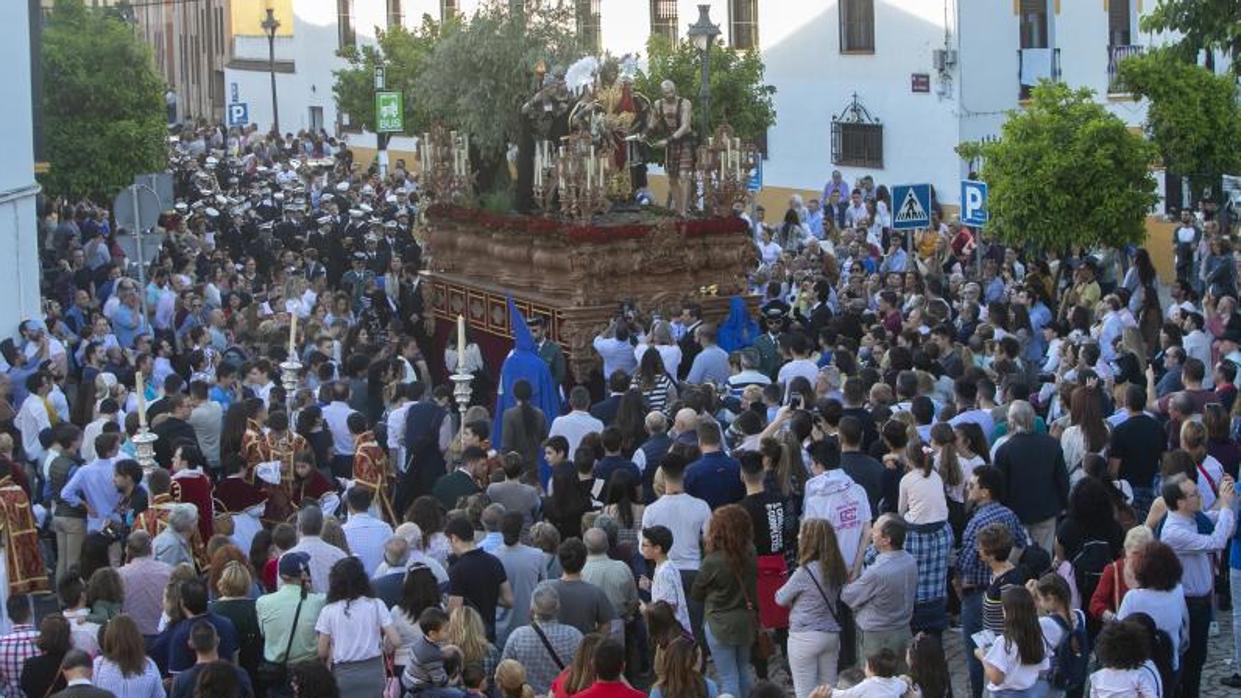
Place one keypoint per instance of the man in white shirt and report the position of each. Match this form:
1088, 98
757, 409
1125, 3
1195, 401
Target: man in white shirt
578, 422
686, 517
614, 347
107, 413
365, 533
856, 213
32, 416
336, 416
322, 554
396, 425
1197, 344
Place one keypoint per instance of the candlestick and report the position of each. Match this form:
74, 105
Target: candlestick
293, 336
461, 344
140, 389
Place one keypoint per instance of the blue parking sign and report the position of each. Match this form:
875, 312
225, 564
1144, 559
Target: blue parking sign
238, 114
974, 202
913, 206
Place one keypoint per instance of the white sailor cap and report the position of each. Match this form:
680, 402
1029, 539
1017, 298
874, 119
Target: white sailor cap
365, 208
342, 186
181, 206
212, 161
355, 213
211, 212
391, 198
323, 220
265, 226
390, 224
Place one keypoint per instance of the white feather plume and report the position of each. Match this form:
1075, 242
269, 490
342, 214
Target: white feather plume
581, 74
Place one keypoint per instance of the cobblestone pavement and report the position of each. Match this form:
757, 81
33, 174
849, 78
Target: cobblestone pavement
1219, 663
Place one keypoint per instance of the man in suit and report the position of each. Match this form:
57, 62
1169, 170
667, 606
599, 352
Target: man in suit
549, 351
77, 669
605, 410
173, 430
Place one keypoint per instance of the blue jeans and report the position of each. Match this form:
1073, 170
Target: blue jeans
1234, 576
971, 622
1039, 690
732, 664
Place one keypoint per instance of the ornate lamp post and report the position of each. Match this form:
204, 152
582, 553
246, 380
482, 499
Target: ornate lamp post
270, 25
703, 33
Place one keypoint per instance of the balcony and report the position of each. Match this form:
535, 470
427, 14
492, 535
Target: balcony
1116, 54
1034, 64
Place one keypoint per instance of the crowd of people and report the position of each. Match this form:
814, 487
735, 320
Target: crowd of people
920, 435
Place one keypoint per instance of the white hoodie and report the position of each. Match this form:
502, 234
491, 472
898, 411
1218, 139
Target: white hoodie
834, 496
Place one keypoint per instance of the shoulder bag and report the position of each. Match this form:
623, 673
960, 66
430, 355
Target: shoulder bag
548, 646
764, 646
277, 673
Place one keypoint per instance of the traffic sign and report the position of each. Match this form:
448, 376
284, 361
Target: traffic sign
380, 78
756, 175
238, 114
913, 206
389, 112
974, 202
233, 92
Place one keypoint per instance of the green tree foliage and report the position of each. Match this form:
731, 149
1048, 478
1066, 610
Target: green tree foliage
1065, 172
1192, 115
479, 74
403, 53
1201, 24
738, 94
103, 105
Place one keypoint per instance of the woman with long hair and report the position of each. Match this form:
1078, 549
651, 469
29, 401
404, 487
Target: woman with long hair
652, 380
312, 679
122, 666
355, 630
1013, 662
311, 426
1087, 432
928, 668
236, 420
677, 675
631, 420
660, 339
952, 471
623, 495
580, 673
525, 425
511, 680
466, 632
813, 594
429, 515
569, 498
1220, 443
419, 592
726, 585
971, 446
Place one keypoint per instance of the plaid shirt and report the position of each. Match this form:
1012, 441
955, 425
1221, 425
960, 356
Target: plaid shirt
930, 545
15, 649
525, 646
972, 570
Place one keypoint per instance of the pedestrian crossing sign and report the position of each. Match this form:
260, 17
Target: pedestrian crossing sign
913, 206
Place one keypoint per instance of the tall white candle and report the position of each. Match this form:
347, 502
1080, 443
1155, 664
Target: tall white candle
293, 337
460, 344
140, 389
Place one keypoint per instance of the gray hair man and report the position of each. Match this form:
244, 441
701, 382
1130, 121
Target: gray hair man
173, 546
530, 644
1036, 481
322, 554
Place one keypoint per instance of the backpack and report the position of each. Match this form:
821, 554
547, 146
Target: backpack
1034, 562
1071, 664
1088, 565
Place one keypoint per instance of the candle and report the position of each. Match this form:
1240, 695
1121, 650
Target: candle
293, 336
140, 389
460, 344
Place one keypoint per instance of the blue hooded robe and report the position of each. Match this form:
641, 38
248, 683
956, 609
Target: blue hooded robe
523, 362
739, 329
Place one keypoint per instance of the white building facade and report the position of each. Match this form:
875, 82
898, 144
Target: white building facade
19, 273
887, 88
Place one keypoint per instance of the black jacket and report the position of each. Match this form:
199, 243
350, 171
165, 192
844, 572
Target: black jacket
1036, 481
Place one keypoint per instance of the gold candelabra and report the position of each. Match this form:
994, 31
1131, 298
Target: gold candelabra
576, 172
724, 164
444, 158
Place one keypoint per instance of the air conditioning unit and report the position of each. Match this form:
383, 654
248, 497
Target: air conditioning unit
943, 58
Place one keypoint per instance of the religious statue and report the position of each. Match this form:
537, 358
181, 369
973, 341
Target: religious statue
544, 122
673, 116
616, 117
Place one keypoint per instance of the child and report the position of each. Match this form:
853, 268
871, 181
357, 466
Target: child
1123, 649
474, 681
1014, 660
881, 680
994, 545
928, 669
104, 595
1052, 595
426, 658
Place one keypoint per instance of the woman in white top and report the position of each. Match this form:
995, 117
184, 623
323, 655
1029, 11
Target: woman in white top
660, 337
1012, 663
123, 667
1159, 595
1127, 670
768, 251
921, 498
1087, 433
952, 471
355, 629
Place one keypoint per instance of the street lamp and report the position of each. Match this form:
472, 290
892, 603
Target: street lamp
703, 34
270, 25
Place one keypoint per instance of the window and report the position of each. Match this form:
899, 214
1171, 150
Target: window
664, 19
857, 26
1034, 23
1119, 23
857, 137
448, 10
743, 23
344, 23
396, 17
588, 23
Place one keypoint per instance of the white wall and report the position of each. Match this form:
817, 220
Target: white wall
19, 274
